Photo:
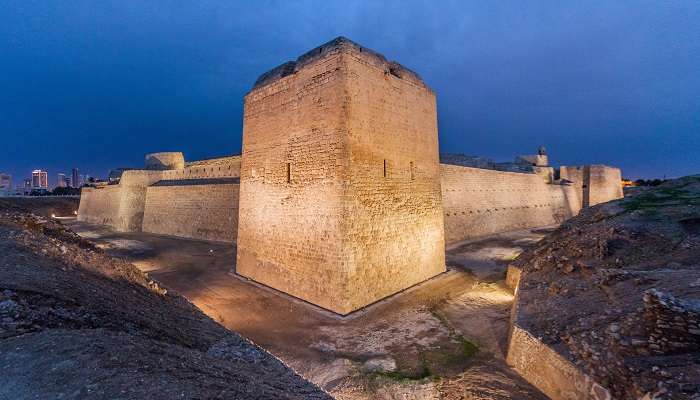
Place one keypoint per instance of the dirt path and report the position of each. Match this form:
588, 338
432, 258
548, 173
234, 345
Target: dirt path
442, 339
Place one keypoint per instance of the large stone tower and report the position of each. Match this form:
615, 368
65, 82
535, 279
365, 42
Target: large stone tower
340, 201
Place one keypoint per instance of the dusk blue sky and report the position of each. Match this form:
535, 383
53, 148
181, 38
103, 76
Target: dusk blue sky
97, 84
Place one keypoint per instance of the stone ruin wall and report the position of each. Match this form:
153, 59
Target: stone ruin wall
133, 186
574, 175
480, 202
542, 364
220, 167
318, 218
199, 201
673, 324
548, 371
476, 201
165, 161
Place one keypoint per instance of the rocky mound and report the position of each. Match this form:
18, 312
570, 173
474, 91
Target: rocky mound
617, 291
76, 323
45, 206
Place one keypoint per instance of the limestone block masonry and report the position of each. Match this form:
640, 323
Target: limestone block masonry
165, 160
480, 202
119, 206
339, 198
340, 201
542, 364
596, 183
198, 200
193, 208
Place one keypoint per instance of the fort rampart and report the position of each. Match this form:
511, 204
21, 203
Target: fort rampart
198, 200
476, 202
339, 197
340, 189
480, 202
595, 183
193, 208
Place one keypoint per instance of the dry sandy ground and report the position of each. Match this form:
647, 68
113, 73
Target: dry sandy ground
444, 339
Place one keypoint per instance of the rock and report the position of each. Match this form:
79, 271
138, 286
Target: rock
385, 364
331, 375
8, 306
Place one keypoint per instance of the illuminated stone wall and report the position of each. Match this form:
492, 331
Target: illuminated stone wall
193, 208
119, 206
547, 370
133, 186
220, 167
340, 191
99, 205
596, 183
604, 184
165, 160
574, 175
480, 202
544, 365
123, 206
394, 234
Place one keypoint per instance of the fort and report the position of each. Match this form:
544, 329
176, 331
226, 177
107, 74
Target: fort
340, 197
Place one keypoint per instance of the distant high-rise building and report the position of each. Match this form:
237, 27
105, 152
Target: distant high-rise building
74, 180
40, 179
61, 181
5, 183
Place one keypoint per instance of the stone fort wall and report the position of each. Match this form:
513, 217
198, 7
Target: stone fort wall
119, 206
100, 205
476, 201
340, 197
481, 202
603, 184
396, 236
193, 208
126, 207
595, 183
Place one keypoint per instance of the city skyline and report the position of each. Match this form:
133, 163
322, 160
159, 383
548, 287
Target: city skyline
12, 183
611, 83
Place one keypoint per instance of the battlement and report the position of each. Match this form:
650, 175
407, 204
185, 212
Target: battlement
336, 46
165, 160
343, 141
